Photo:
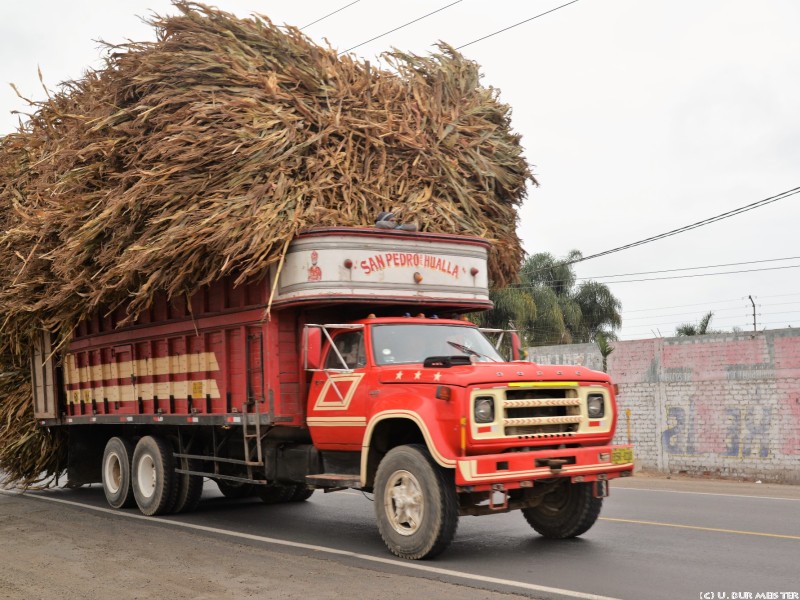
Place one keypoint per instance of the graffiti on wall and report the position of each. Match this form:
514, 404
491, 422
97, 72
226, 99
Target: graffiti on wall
735, 432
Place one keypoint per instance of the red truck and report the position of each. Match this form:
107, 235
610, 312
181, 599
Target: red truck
346, 366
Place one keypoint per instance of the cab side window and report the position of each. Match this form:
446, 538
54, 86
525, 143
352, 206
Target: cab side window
351, 348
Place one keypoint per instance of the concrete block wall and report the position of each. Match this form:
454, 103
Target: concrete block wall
725, 404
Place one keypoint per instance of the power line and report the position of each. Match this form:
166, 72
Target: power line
523, 286
709, 303
401, 26
736, 264
330, 14
599, 277
745, 315
684, 305
725, 215
514, 25
705, 274
714, 310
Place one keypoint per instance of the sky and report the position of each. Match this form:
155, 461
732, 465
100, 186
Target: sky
638, 118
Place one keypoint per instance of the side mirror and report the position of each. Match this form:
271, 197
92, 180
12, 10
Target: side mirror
516, 346
312, 347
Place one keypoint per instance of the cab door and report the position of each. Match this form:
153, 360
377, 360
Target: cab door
338, 394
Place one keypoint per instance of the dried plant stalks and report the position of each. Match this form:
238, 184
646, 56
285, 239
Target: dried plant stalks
200, 154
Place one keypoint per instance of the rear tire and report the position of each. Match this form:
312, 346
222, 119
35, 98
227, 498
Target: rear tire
154, 482
568, 511
190, 487
275, 494
301, 493
117, 473
415, 503
235, 489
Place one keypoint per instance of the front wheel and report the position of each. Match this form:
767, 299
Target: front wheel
415, 503
568, 511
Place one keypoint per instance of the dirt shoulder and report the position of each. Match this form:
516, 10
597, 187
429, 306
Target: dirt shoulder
50, 550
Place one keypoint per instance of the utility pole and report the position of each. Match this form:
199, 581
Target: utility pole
754, 313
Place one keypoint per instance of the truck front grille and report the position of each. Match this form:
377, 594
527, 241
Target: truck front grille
541, 412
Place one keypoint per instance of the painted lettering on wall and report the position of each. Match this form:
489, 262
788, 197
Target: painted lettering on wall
391, 260
745, 431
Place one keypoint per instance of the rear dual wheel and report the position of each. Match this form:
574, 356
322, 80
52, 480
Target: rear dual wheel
235, 489
190, 487
154, 483
116, 473
145, 476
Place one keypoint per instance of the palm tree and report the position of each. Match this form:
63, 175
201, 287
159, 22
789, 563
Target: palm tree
513, 307
548, 308
600, 311
702, 328
578, 314
605, 348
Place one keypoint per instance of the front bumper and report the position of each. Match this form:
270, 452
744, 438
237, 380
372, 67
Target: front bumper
521, 469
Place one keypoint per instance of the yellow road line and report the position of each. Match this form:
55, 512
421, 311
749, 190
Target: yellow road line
773, 535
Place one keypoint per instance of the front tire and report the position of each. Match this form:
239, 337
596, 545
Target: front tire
415, 503
154, 481
117, 473
568, 511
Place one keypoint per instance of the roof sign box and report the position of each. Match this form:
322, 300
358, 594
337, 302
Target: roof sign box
384, 266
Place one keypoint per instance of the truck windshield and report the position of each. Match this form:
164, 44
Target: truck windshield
403, 344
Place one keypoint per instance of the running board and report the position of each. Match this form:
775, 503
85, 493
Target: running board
334, 480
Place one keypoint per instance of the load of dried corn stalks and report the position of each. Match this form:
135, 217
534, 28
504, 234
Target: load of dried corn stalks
202, 153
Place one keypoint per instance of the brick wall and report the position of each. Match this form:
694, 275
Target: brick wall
724, 404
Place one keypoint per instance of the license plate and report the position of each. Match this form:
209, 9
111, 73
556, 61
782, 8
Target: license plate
621, 456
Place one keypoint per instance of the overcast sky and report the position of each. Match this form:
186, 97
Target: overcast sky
638, 116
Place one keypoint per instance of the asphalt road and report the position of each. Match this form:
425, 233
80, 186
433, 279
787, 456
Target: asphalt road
656, 539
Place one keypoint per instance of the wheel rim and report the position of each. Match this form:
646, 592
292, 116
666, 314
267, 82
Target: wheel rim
146, 476
112, 474
404, 503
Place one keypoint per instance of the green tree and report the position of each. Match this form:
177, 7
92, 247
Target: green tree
580, 312
605, 348
513, 308
701, 328
548, 307
599, 309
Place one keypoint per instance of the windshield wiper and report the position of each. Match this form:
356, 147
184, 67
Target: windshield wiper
468, 350
464, 349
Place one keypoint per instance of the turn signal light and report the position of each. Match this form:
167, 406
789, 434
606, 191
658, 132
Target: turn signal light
444, 393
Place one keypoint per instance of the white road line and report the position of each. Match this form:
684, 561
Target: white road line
619, 489
413, 566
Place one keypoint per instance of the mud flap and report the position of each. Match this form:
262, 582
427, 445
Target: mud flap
600, 488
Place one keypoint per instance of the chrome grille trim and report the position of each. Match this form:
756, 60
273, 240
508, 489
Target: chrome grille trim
541, 421
542, 402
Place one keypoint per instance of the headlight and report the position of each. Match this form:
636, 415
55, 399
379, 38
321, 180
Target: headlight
596, 406
484, 409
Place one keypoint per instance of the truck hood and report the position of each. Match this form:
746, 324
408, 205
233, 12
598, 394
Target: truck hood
487, 374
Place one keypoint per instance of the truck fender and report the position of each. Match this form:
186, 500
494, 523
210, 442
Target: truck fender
443, 456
